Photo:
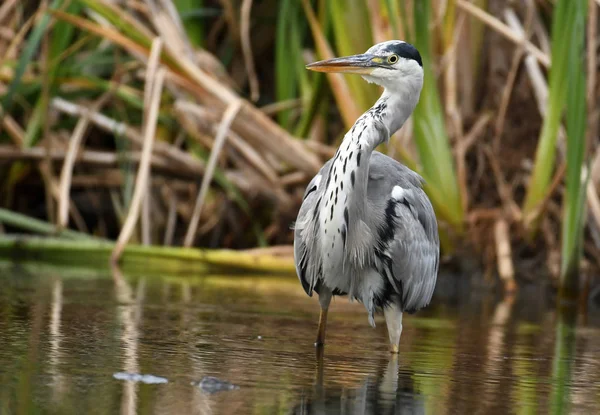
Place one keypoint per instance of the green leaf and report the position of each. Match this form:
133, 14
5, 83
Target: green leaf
563, 23
286, 58
60, 37
193, 28
575, 192
430, 134
352, 32
33, 43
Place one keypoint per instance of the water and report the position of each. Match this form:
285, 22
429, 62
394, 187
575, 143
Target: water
84, 343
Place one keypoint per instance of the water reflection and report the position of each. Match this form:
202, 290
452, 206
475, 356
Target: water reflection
562, 362
386, 391
130, 313
65, 333
55, 354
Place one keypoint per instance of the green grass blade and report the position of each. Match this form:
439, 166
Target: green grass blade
30, 224
96, 254
310, 110
29, 51
351, 29
430, 133
60, 37
545, 156
346, 104
575, 194
193, 28
313, 92
35, 123
122, 21
286, 59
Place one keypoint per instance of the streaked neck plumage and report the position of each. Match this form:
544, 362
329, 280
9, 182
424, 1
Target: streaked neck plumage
373, 128
344, 208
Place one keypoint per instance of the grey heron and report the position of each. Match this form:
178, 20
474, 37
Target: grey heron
366, 228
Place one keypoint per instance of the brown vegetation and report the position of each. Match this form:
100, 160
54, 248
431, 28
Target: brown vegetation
123, 111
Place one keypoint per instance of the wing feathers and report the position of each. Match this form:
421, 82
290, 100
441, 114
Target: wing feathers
307, 254
414, 247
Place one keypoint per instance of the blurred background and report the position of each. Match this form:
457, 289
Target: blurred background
193, 123
176, 138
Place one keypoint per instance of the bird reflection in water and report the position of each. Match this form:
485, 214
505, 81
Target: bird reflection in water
388, 391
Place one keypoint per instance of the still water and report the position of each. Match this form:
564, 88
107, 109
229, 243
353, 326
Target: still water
93, 343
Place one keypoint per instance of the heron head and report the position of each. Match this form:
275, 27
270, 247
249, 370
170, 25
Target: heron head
395, 65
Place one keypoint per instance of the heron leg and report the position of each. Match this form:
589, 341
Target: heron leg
324, 300
393, 319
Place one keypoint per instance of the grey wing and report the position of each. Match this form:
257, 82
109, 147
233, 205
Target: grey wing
408, 239
307, 256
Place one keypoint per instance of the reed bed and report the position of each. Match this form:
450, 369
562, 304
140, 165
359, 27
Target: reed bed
194, 123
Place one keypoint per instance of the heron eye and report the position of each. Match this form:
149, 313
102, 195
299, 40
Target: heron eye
393, 59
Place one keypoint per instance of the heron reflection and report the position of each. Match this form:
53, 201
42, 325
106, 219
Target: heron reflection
387, 391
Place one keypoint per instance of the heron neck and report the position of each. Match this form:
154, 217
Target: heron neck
373, 128
398, 105
344, 214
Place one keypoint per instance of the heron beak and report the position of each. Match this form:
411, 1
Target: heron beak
362, 64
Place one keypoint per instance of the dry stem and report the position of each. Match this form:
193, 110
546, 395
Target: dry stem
247, 49
512, 76
141, 184
226, 122
504, 30
504, 255
75, 143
